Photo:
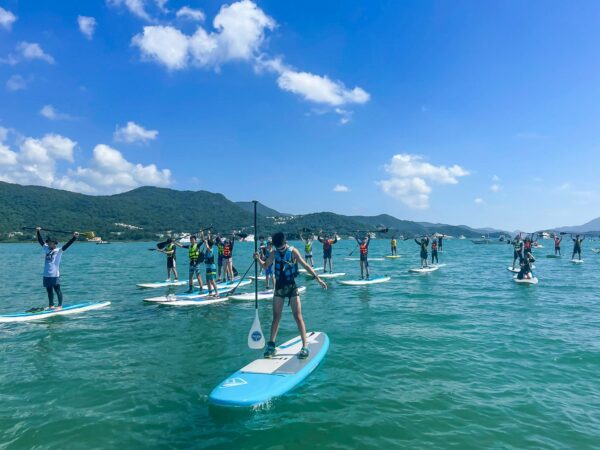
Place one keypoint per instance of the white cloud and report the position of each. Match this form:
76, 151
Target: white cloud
495, 187
50, 113
6, 19
110, 172
33, 50
479, 201
87, 26
136, 7
192, 14
239, 34
133, 132
495, 178
36, 162
409, 175
340, 188
16, 83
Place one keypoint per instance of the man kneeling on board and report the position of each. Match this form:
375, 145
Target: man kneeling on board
52, 266
285, 260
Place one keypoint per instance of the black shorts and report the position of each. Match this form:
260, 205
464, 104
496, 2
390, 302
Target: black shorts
286, 291
171, 264
327, 255
423, 255
50, 282
516, 255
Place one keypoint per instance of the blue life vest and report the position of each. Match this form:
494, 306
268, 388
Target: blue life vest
285, 267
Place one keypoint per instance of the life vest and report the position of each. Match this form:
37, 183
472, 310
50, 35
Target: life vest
227, 250
393, 242
364, 249
171, 247
326, 245
285, 267
209, 257
220, 248
434, 246
308, 247
194, 252
527, 245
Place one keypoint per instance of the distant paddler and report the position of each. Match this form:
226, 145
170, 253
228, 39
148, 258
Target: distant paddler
219, 243
393, 246
424, 244
440, 242
285, 260
577, 246
327, 250
434, 251
557, 241
308, 243
209, 262
363, 247
53, 256
171, 251
228, 258
196, 256
517, 243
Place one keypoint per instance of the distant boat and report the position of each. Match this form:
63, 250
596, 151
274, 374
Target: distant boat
462, 237
102, 242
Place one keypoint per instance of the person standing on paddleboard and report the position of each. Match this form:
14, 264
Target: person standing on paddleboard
527, 245
363, 247
170, 250
518, 250
211, 267
53, 255
577, 246
440, 242
557, 242
327, 251
308, 256
424, 244
393, 246
434, 251
228, 258
196, 256
219, 244
285, 260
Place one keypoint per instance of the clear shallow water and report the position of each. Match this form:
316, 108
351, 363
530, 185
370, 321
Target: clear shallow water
462, 357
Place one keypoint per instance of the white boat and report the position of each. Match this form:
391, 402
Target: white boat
462, 237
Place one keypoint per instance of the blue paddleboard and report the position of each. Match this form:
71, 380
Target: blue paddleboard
66, 310
264, 379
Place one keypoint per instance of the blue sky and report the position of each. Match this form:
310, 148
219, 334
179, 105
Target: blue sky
464, 112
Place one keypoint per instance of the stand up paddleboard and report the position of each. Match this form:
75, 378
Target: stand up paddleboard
533, 280
596, 250
265, 379
163, 284
195, 301
518, 268
329, 275
428, 269
577, 261
553, 256
375, 280
43, 314
316, 269
393, 256
358, 259
264, 295
224, 288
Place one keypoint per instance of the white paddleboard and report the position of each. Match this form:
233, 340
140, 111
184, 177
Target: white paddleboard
265, 379
577, 261
367, 282
163, 284
427, 269
264, 295
370, 259
223, 288
66, 310
303, 270
596, 250
329, 275
533, 280
393, 256
195, 302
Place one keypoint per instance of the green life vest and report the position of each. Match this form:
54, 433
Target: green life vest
194, 252
308, 248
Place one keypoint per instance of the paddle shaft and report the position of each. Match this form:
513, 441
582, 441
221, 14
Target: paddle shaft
255, 265
46, 229
243, 276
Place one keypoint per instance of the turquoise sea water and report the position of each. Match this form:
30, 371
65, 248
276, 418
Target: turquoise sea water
461, 358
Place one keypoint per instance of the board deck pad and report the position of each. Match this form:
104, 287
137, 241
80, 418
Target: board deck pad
264, 379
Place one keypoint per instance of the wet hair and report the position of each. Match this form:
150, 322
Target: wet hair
193, 237
169, 240
262, 238
209, 242
51, 240
278, 239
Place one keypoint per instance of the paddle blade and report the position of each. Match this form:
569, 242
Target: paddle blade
256, 339
161, 245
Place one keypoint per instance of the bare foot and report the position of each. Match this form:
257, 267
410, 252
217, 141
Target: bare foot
58, 308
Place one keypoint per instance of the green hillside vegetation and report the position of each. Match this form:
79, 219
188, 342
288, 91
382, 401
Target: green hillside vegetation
158, 211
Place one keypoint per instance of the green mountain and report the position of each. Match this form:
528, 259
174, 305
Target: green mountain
145, 212
261, 209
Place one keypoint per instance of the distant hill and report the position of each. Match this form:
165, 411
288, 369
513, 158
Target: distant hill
148, 211
261, 209
588, 227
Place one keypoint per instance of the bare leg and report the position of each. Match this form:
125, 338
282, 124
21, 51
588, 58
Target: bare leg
297, 311
277, 309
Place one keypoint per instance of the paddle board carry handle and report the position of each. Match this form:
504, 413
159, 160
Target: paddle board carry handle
256, 339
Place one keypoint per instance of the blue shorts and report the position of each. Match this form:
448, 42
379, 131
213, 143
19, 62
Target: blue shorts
269, 270
195, 269
50, 282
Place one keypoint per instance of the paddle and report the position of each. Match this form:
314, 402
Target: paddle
382, 230
242, 279
87, 234
256, 339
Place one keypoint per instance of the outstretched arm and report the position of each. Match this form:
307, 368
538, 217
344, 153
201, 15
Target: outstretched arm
267, 262
308, 268
68, 244
39, 236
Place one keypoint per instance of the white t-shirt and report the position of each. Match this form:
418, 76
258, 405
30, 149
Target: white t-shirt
52, 263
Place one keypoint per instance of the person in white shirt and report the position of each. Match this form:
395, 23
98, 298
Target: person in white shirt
52, 266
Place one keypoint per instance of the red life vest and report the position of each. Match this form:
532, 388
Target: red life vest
556, 242
326, 244
434, 246
363, 249
527, 245
227, 250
